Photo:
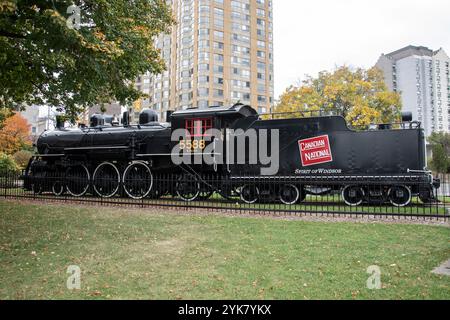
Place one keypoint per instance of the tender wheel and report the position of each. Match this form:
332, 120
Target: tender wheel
400, 196
77, 181
106, 180
289, 194
353, 195
137, 180
249, 194
188, 188
58, 188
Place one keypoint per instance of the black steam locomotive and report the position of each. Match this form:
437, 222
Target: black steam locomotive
313, 155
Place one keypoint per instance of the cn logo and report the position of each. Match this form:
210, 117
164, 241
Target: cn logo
315, 151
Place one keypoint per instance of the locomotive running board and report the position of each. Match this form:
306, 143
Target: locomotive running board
95, 148
176, 154
331, 179
49, 155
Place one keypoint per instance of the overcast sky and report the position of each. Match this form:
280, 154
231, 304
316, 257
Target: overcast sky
315, 35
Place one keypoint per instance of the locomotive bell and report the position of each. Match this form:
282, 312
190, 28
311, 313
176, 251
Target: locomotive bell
148, 116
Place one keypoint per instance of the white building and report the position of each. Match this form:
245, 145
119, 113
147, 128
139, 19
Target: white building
422, 78
40, 118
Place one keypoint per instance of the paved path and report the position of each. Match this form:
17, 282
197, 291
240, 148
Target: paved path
443, 269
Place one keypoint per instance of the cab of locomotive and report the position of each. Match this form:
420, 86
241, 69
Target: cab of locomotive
199, 120
197, 123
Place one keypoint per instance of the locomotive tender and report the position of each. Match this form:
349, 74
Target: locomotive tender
316, 155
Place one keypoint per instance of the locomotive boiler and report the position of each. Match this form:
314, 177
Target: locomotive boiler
315, 155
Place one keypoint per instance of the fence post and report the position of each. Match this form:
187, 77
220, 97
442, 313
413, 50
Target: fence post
34, 188
6, 183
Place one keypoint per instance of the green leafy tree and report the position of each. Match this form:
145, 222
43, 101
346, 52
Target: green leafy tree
5, 113
361, 96
45, 59
7, 164
440, 143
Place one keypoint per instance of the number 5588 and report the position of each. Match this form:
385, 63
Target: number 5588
192, 145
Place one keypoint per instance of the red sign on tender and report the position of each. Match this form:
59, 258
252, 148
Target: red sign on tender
315, 151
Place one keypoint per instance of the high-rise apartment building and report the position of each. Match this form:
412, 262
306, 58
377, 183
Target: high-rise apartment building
220, 52
422, 78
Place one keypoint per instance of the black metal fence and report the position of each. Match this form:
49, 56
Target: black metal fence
286, 196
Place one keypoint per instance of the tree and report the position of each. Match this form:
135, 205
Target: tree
360, 96
7, 164
4, 114
15, 134
22, 158
440, 144
46, 60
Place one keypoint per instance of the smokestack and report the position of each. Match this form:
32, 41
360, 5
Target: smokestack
60, 122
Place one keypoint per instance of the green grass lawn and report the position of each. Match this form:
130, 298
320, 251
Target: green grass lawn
127, 254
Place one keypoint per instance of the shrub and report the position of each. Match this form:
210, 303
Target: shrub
440, 143
7, 164
22, 158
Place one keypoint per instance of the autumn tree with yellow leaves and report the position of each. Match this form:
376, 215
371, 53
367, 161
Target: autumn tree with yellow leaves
360, 96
